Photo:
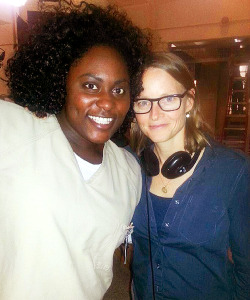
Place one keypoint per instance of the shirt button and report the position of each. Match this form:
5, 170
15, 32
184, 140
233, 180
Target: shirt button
177, 202
158, 266
167, 224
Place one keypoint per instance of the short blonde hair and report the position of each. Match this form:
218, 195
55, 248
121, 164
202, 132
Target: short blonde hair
195, 128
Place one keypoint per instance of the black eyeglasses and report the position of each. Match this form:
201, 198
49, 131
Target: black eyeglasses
166, 103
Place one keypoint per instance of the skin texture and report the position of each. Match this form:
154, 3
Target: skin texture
97, 86
165, 129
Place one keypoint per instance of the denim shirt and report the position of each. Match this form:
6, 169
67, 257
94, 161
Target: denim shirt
208, 214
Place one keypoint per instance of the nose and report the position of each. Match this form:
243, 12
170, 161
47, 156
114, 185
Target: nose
155, 111
105, 101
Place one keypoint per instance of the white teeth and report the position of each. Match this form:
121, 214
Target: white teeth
100, 120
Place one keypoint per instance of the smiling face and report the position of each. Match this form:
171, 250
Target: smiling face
161, 126
98, 97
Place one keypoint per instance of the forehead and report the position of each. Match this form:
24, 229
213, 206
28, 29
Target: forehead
157, 83
100, 60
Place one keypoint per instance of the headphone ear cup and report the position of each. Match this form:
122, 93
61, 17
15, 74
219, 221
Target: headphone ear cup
150, 162
176, 165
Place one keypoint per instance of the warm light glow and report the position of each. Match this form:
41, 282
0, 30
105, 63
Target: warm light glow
172, 46
13, 2
237, 41
243, 70
200, 43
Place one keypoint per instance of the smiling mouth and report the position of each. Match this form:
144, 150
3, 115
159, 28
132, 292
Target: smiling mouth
101, 120
159, 126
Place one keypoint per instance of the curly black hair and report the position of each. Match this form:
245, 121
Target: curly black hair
38, 71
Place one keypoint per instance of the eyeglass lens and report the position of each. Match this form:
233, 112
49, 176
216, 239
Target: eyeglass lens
165, 103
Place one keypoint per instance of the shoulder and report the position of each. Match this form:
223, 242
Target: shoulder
19, 126
225, 163
124, 162
9, 106
228, 155
123, 157
13, 118
10, 111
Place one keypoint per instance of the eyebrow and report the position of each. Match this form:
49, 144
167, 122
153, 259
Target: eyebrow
101, 80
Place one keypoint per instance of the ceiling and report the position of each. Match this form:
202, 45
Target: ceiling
195, 51
213, 50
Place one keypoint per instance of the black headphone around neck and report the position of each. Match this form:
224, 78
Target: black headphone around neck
175, 166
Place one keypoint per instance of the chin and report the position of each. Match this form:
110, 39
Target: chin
159, 138
99, 139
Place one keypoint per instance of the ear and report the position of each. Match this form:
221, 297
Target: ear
190, 100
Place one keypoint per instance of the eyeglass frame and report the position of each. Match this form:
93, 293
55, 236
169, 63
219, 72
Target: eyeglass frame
180, 96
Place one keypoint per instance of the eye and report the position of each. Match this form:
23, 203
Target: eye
118, 91
90, 86
169, 99
142, 103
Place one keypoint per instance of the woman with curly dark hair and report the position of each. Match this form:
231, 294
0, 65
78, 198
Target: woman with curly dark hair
67, 193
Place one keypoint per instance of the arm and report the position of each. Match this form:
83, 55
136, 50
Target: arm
239, 233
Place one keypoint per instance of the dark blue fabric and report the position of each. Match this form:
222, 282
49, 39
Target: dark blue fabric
208, 214
160, 207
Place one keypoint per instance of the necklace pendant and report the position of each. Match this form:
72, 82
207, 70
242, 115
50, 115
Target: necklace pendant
164, 189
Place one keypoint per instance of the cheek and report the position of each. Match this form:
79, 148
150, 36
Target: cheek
72, 108
141, 120
77, 102
123, 107
178, 121
177, 115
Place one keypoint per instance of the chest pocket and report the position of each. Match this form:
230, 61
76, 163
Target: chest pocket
201, 219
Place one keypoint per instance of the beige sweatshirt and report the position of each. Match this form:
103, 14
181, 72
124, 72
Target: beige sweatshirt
58, 232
